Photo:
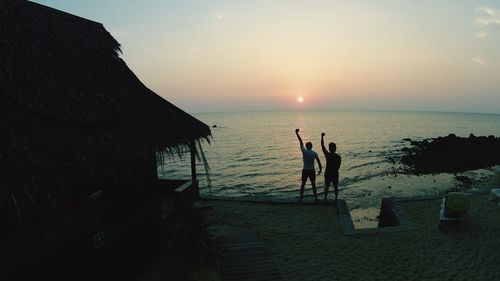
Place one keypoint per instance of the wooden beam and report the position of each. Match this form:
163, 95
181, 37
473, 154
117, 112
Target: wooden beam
184, 197
193, 170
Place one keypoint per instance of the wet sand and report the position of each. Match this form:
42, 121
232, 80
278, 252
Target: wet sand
308, 243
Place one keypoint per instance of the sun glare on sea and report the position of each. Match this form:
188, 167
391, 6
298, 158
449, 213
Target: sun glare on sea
300, 99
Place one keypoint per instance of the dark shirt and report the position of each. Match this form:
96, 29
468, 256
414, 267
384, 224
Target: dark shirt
333, 161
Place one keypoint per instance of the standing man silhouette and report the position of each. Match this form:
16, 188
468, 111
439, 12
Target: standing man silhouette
333, 161
308, 171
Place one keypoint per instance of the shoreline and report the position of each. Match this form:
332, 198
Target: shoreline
365, 208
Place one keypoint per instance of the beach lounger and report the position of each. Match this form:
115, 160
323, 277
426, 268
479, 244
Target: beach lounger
453, 208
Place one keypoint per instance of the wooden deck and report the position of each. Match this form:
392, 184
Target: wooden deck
246, 258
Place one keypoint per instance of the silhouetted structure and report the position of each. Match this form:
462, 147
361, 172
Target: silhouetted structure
79, 138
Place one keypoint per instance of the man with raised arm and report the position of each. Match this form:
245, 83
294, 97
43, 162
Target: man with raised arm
308, 171
332, 167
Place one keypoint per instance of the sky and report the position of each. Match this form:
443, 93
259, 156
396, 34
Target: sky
213, 56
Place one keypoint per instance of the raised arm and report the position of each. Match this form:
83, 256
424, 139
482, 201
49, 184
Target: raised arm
323, 144
300, 139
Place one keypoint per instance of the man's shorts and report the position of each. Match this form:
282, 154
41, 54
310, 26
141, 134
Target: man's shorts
332, 180
311, 174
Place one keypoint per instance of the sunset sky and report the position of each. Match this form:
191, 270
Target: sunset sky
211, 56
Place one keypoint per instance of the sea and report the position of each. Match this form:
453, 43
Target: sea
256, 155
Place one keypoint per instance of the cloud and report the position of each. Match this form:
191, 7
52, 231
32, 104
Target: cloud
478, 60
218, 15
481, 34
487, 16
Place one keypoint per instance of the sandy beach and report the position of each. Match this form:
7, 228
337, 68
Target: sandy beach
308, 243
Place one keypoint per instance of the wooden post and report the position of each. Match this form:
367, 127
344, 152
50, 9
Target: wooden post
193, 170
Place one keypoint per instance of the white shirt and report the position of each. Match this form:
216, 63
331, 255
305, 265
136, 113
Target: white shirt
308, 156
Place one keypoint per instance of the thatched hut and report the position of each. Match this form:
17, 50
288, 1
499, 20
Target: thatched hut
79, 134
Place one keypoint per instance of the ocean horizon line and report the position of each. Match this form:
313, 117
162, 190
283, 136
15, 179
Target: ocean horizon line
342, 110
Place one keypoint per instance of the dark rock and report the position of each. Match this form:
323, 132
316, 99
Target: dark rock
214, 126
451, 154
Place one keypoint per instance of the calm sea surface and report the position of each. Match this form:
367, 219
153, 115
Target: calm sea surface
257, 154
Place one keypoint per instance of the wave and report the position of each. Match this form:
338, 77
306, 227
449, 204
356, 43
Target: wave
360, 178
366, 164
244, 159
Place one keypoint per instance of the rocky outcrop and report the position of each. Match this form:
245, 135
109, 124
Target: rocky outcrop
451, 154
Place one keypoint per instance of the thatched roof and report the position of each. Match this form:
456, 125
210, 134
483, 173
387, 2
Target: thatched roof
68, 101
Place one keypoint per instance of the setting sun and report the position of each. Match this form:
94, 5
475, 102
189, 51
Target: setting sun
300, 99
